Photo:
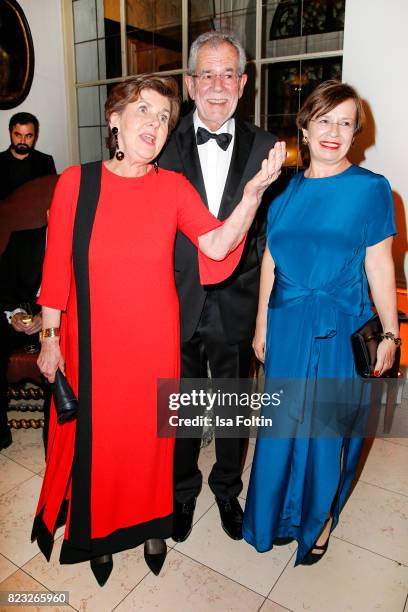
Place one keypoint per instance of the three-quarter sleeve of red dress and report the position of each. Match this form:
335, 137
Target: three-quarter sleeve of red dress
194, 220
56, 276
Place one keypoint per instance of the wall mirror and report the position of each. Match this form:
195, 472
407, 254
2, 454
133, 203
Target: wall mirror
16, 55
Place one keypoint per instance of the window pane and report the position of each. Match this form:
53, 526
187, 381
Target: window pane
102, 99
84, 20
153, 35
302, 26
201, 18
284, 88
280, 103
86, 59
246, 105
110, 57
237, 16
91, 121
98, 59
314, 71
88, 106
100, 16
90, 144
101, 59
321, 16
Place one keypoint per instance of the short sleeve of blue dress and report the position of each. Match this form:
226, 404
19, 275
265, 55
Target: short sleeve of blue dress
381, 223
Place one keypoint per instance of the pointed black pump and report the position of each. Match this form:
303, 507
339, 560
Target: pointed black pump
102, 567
155, 551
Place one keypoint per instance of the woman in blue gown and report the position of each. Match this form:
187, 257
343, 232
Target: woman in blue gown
329, 239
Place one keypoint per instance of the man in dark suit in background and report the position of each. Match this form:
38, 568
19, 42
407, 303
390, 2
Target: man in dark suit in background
20, 279
21, 262
21, 162
218, 154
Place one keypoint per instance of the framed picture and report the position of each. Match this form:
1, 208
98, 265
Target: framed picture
16, 55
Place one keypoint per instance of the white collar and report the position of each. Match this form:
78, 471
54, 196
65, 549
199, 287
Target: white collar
227, 127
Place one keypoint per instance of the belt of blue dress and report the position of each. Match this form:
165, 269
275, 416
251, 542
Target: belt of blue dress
320, 306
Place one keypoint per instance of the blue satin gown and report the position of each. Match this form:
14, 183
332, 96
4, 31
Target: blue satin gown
318, 231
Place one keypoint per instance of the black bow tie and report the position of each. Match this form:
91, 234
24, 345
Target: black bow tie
223, 139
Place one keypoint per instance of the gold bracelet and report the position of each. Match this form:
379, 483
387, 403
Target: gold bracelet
391, 336
50, 332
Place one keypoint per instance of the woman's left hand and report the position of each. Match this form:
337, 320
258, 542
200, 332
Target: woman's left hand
269, 172
50, 358
385, 356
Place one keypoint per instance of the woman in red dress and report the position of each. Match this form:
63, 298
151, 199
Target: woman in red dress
111, 323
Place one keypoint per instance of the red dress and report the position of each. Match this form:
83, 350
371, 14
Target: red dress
108, 475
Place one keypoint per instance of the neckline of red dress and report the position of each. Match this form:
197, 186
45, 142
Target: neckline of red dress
126, 178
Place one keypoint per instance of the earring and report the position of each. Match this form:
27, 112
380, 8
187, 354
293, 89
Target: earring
119, 154
156, 167
305, 140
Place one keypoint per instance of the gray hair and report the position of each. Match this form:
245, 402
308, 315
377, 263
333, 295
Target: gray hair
215, 39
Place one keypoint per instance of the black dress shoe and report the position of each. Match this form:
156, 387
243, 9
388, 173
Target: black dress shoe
102, 567
155, 551
5, 439
183, 520
231, 517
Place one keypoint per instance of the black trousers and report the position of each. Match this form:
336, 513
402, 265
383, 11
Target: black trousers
225, 361
9, 341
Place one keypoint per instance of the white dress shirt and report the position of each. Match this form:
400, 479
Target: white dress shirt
214, 162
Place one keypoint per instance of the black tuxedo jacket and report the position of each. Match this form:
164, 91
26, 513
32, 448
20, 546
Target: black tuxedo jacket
238, 295
21, 269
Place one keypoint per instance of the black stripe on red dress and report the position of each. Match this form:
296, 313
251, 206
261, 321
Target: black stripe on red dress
80, 511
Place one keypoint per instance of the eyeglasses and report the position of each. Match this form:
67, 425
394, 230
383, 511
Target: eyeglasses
210, 77
324, 124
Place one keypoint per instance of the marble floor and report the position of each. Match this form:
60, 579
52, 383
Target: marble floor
365, 569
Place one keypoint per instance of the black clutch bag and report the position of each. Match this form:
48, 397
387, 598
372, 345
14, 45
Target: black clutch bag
364, 343
66, 404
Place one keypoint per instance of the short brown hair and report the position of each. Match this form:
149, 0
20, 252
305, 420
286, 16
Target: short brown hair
129, 91
327, 96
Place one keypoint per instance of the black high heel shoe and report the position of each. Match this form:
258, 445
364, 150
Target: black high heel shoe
102, 567
318, 551
313, 556
155, 551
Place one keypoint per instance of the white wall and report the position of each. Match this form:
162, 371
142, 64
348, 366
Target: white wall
375, 62
47, 97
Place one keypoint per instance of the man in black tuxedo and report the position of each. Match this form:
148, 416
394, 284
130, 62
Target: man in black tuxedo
20, 278
218, 154
21, 162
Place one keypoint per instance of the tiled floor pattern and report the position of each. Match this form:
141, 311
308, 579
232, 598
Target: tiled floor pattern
365, 569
